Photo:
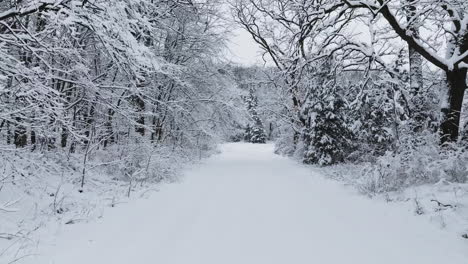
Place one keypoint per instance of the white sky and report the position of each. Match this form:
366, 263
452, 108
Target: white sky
242, 48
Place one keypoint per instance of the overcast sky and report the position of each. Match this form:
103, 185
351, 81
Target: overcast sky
243, 50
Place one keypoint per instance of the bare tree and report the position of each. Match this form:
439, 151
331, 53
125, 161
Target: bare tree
448, 21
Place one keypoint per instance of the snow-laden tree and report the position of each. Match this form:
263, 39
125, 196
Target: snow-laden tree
295, 39
82, 76
329, 137
254, 132
295, 32
444, 43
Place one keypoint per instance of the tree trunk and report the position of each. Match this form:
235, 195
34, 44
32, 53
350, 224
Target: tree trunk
419, 114
89, 119
20, 136
8, 137
415, 59
64, 138
33, 137
416, 74
451, 108
110, 137
140, 128
417, 100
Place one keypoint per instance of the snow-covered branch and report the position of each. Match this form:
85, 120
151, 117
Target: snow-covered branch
7, 207
31, 7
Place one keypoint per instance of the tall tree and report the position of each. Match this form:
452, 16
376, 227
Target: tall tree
448, 20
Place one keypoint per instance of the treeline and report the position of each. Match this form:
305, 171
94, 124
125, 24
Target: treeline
364, 83
79, 76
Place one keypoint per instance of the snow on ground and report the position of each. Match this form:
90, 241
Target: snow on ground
248, 205
40, 194
43, 200
444, 204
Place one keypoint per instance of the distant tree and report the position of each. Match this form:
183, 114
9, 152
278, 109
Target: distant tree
254, 132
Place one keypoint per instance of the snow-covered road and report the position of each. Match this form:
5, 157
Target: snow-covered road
249, 206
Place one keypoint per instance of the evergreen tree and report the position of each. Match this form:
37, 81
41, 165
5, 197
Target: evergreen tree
329, 139
247, 133
255, 132
377, 121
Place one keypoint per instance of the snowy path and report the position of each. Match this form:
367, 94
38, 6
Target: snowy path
249, 206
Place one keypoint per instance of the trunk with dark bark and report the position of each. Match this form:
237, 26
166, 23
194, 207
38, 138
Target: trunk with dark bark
140, 127
64, 138
20, 136
451, 109
110, 137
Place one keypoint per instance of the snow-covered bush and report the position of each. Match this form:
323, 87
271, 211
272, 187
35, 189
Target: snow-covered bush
285, 145
424, 163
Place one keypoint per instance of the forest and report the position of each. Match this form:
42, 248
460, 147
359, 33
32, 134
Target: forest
375, 83
106, 98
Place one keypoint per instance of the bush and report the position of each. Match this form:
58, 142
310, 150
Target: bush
415, 165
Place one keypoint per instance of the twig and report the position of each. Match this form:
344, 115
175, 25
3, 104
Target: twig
6, 206
441, 204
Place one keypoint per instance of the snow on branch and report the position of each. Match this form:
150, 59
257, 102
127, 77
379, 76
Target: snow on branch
31, 8
401, 30
6, 207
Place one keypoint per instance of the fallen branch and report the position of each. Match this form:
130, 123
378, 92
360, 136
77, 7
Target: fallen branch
6, 207
7, 236
441, 204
